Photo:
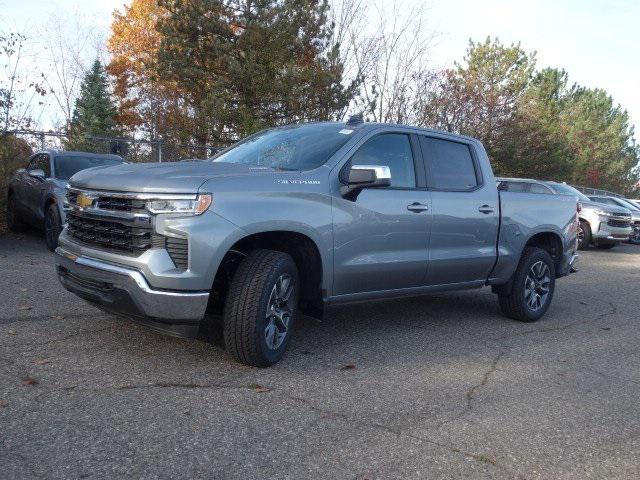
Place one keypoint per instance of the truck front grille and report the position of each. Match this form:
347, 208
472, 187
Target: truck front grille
108, 233
120, 204
120, 222
619, 222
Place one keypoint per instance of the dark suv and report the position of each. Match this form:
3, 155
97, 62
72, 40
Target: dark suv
36, 194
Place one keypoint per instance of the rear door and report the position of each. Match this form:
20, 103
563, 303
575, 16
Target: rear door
465, 211
381, 238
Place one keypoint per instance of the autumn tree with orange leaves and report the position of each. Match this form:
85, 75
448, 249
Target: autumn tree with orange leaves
202, 72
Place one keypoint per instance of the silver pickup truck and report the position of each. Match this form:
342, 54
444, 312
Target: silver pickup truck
294, 218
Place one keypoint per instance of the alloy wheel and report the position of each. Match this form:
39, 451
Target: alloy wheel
279, 312
537, 286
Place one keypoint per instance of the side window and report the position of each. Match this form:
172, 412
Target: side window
452, 166
33, 163
518, 187
45, 164
392, 150
40, 161
537, 188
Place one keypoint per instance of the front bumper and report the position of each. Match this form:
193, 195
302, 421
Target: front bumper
125, 291
608, 234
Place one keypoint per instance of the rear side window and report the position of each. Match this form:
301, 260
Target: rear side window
517, 186
537, 188
451, 164
392, 150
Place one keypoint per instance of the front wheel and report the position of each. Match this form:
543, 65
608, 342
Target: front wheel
52, 226
261, 307
635, 236
584, 235
533, 286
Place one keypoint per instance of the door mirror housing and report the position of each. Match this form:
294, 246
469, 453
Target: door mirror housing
365, 176
37, 173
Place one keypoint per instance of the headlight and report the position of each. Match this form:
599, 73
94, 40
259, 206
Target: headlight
603, 213
183, 207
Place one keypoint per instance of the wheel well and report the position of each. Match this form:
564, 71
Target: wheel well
550, 242
302, 249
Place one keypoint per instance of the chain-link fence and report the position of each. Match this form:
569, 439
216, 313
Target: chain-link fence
598, 191
131, 149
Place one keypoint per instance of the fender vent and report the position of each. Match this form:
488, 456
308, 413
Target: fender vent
178, 249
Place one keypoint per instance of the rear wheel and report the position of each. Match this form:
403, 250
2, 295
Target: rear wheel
533, 287
52, 226
584, 235
14, 223
605, 246
261, 308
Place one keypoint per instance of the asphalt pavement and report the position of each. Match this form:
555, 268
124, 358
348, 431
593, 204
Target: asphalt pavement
440, 386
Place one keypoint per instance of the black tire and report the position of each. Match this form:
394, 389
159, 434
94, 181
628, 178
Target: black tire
634, 239
515, 305
14, 224
583, 243
52, 226
605, 246
247, 326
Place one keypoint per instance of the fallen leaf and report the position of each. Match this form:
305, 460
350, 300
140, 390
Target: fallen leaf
42, 361
29, 381
3, 404
25, 308
23, 289
59, 317
11, 332
259, 388
348, 366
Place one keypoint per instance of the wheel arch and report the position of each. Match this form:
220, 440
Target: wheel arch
305, 253
548, 240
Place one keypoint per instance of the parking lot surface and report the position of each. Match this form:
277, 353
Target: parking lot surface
440, 386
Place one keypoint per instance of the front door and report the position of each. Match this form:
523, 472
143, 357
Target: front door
381, 238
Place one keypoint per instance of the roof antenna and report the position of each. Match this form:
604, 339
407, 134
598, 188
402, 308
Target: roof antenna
355, 120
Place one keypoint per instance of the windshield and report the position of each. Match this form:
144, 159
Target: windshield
67, 166
568, 190
627, 204
297, 147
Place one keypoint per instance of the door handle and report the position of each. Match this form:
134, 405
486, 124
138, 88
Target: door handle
417, 207
486, 209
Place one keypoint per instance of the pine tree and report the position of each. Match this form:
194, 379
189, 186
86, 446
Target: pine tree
94, 113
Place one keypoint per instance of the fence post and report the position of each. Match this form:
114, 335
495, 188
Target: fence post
159, 149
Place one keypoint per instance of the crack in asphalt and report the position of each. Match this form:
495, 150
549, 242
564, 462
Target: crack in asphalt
469, 395
59, 339
400, 432
612, 311
43, 318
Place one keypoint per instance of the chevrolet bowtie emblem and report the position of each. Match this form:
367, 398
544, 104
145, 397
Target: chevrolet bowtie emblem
84, 201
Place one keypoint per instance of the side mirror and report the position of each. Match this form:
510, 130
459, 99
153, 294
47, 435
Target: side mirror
365, 176
37, 173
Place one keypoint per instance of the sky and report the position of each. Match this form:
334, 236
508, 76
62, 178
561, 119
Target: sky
596, 41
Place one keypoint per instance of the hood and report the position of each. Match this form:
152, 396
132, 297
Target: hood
178, 177
605, 207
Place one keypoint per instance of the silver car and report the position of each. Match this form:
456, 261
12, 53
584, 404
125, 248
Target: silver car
36, 194
633, 208
604, 224
601, 224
